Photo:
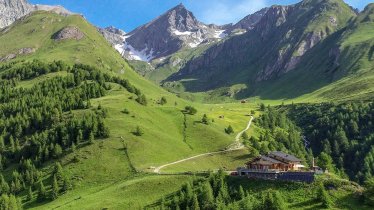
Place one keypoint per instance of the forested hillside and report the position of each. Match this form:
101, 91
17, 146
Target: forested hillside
343, 134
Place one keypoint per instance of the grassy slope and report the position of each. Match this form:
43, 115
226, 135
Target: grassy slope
106, 162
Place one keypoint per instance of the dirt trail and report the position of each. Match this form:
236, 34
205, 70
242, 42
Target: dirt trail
233, 147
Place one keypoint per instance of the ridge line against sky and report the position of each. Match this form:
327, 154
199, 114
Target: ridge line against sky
129, 14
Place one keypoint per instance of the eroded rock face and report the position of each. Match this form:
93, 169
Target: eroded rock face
11, 10
113, 35
70, 32
22, 51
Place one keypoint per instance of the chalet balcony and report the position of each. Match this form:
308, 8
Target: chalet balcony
259, 170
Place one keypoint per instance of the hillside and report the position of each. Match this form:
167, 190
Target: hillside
83, 128
167, 134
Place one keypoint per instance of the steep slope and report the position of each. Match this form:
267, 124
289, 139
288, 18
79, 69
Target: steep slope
341, 67
167, 34
273, 47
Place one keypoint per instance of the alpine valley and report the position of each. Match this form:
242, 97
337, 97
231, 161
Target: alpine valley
275, 111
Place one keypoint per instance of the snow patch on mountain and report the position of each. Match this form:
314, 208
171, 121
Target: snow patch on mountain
220, 34
184, 33
129, 52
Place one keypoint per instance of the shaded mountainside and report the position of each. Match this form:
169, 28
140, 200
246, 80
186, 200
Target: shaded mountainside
274, 47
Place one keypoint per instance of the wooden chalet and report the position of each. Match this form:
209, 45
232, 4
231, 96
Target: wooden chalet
276, 165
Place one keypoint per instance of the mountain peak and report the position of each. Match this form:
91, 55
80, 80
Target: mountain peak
180, 6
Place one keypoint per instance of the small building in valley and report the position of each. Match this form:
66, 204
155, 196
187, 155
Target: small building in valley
276, 165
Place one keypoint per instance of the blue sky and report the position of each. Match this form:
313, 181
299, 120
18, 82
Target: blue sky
129, 14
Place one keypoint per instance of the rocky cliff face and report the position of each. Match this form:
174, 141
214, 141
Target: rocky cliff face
11, 10
167, 34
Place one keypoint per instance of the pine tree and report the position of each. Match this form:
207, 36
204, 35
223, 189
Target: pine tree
163, 101
207, 196
55, 188
58, 171
324, 197
229, 130
29, 194
42, 193
57, 151
91, 138
2, 144
195, 203
241, 193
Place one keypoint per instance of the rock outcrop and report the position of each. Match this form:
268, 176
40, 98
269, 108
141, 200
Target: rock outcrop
22, 51
70, 32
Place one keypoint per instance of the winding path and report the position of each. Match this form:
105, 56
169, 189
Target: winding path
233, 147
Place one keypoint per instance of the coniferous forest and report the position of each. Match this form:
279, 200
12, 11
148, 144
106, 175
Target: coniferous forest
39, 124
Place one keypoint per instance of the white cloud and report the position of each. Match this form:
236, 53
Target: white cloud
230, 11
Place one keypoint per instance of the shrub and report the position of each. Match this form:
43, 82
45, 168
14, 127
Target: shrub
190, 110
229, 130
138, 131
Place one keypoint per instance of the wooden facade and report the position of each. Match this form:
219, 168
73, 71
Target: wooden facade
275, 161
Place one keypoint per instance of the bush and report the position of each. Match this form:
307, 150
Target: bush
204, 120
190, 110
229, 130
142, 100
163, 100
138, 131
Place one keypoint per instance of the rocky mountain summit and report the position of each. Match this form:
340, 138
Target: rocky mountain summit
11, 10
165, 35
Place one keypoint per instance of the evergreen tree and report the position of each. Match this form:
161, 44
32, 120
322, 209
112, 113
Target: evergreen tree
241, 193
207, 196
55, 188
369, 192
324, 197
29, 194
91, 138
229, 130
325, 161
195, 203
163, 100
42, 193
